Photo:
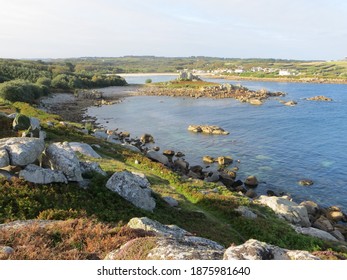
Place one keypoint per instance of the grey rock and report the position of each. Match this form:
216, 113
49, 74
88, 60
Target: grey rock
22, 151
114, 140
311, 207
323, 223
338, 235
131, 147
156, 156
171, 201
90, 166
35, 123
84, 149
213, 177
315, 232
4, 158
134, 188
257, 250
35, 174
246, 212
42, 135
181, 164
101, 134
287, 209
255, 101
62, 157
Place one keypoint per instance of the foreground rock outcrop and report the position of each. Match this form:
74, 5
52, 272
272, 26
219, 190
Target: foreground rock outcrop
257, 250
169, 243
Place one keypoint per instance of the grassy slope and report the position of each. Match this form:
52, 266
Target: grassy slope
211, 216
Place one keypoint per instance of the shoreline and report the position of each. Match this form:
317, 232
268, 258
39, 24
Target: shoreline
73, 108
240, 78
279, 79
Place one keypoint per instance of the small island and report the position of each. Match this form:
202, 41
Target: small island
193, 87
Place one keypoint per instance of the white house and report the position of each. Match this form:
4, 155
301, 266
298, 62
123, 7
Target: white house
238, 71
284, 73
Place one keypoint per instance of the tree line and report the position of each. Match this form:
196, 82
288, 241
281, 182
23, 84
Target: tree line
22, 80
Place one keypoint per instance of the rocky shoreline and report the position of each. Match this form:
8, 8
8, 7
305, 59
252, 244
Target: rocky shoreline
73, 106
61, 164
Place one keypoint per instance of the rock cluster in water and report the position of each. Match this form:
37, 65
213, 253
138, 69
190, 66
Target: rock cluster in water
319, 98
240, 93
207, 129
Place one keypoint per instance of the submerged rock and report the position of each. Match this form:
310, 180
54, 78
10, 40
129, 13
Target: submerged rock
224, 160
319, 98
305, 182
147, 138
207, 129
291, 103
251, 181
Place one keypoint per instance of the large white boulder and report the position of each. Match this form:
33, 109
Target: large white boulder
84, 149
21, 150
257, 250
35, 174
133, 187
62, 157
286, 209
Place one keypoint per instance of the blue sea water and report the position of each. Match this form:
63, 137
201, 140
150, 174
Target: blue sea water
280, 145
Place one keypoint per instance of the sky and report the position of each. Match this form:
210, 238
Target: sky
287, 29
